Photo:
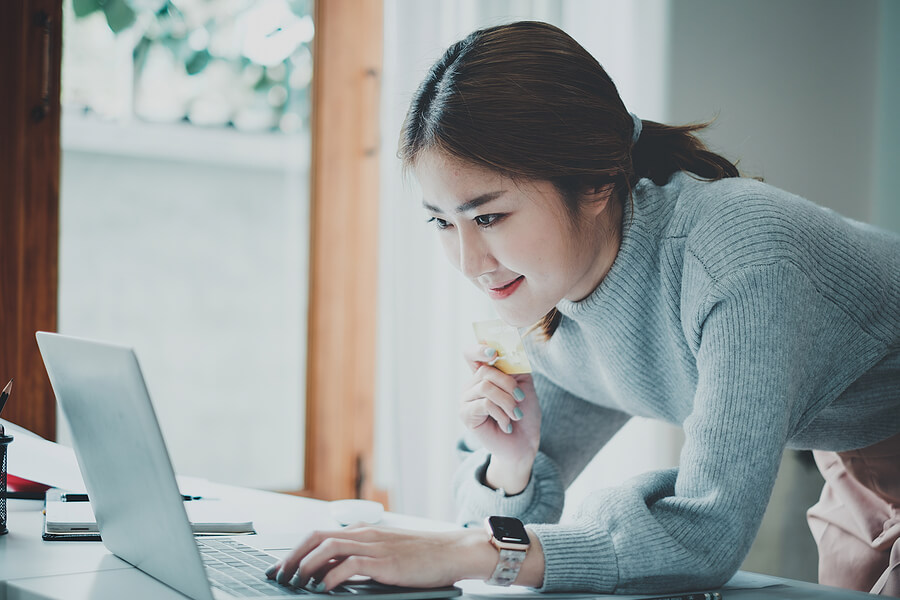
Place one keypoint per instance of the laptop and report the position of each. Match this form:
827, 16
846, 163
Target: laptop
122, 456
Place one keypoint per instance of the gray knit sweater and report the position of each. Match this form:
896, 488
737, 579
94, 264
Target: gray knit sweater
751, 317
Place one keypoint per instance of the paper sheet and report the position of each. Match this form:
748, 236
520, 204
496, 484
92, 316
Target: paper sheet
31, 457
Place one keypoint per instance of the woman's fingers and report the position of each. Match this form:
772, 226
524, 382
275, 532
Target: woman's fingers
499, 388
507, 383
367, 566
476, 413
314, 582
497, 400
477, 356
390, 556
288, 566
327, 556
322, 551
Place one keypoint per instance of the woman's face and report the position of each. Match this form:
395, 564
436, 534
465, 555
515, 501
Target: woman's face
514, 240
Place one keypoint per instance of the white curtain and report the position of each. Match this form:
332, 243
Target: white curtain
425, 307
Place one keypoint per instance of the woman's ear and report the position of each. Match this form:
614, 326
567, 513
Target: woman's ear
597, 199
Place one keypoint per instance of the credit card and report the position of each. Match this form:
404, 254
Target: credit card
505, 339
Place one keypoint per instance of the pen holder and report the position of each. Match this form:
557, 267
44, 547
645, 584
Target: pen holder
4, 442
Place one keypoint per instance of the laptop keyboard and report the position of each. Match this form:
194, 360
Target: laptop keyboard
239, 569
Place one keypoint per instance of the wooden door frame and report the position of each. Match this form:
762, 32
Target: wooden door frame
340, 398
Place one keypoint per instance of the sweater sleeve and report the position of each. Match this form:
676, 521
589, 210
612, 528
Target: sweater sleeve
763, 357
572, 432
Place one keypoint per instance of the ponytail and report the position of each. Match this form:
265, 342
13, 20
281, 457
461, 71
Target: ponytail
663, 150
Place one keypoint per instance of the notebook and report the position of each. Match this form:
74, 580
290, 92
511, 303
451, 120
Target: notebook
135, 498
75, 521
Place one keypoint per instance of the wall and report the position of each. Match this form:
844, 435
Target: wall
887, 130
793, 85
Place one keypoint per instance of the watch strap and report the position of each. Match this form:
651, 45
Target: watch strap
507, 567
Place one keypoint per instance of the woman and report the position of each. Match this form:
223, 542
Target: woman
662, 285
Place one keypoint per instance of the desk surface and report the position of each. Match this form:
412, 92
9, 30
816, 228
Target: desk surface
33, 568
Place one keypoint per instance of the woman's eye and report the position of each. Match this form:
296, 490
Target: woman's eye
439, 223
487, 220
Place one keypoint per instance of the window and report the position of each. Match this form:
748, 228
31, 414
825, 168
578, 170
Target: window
184, 218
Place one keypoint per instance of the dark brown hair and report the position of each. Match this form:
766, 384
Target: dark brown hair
526, 100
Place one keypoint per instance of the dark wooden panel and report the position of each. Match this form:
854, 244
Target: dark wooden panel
31, 34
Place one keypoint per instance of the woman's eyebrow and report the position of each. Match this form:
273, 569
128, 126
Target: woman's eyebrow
469, 204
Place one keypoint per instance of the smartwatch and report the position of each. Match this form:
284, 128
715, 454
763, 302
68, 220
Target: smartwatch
508, 535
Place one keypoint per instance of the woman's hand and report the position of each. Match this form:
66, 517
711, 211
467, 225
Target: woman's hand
503, 413
389, 556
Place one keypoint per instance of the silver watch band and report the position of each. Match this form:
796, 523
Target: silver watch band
507, 567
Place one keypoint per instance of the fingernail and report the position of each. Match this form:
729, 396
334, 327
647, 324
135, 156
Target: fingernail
509, 428
295, 581
518, 412
490, 352
282, 577
318, 587
272, 570
518, 394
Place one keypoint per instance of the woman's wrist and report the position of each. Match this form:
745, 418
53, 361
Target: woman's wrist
510, 476
479, 558
532, 572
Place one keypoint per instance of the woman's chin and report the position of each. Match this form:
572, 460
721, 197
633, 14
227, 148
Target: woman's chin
517, 318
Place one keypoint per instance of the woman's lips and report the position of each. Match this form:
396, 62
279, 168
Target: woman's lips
506, 290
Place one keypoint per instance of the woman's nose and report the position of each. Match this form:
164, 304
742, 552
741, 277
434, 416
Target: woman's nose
474, 258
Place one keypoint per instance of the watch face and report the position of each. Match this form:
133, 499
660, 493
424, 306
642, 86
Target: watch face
508, 530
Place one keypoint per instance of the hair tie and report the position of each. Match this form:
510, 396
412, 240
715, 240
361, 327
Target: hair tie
638, 126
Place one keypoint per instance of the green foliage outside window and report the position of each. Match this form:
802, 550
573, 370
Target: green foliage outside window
241, 63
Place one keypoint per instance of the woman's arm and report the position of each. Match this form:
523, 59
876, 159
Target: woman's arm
770, 350
572, 431
397, 557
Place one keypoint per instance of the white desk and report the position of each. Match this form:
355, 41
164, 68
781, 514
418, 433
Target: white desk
32, 568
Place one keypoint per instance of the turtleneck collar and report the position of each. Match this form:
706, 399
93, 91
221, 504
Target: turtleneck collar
633, 253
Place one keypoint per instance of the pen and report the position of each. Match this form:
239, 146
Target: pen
700, 596
84, 497
23, 495
5, 394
